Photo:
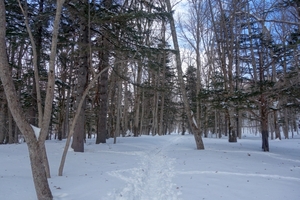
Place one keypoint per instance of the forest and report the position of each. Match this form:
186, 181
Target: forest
111, 68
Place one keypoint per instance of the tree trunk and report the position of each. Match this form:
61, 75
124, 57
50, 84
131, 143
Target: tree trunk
125, 110
154, 106
67, 111
232, 126
162, 121
119, 107
276, 127
38, 171
142, 113
194, 129
161, 118
285, 122
104, 55
10, 128
2, 123
264, 124
137, 102
263, 109
79, 133
103, 93
205, 128
111, 125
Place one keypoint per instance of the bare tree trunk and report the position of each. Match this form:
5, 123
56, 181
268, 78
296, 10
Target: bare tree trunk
102, 123
292, 129
194, 129
263, 108
137, 102
264, 124
162, 121
125, 109
79, 133
161, 117
205, 128
295, 123
142, 113
276, 127
272, 126
285, 122
2, 122
119, 107
154, 128
10, 128
66, 124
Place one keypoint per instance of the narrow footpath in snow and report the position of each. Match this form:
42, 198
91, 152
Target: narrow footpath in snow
152, 180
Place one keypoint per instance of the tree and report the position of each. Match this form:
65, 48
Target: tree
191, 81
193, 31
34, 144
81, 72
103, 80
194, 129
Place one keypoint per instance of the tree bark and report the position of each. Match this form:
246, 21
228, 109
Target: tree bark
276, 127
104, 55
102, 123
10, 128
263, 108
2, 123
67, 111
79, 133
285, 121
264, 124
142, 112
119, 107
125, 109
137, 103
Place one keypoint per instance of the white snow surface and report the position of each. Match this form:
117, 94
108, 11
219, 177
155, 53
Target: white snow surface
160, 168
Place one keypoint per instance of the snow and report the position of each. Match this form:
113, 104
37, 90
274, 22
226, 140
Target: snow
160, 168
59, 81
275, 104
36, 130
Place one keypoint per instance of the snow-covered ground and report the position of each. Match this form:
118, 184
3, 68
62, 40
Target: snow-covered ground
160, 168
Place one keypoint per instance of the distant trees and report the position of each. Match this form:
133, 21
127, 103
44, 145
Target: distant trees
249, 68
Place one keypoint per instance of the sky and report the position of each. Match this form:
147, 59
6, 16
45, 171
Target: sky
160, 168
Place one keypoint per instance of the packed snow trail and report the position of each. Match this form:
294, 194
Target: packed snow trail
152, 180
